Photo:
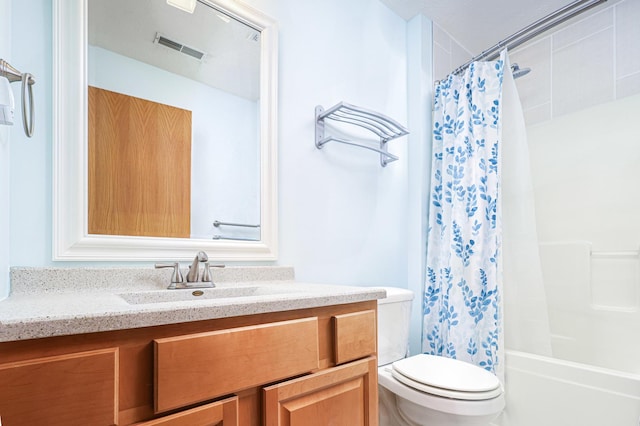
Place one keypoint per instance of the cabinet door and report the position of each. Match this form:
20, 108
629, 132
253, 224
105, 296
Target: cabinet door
341, 396
73, 389
219, 413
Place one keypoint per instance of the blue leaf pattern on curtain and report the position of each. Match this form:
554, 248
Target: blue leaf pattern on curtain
461, 306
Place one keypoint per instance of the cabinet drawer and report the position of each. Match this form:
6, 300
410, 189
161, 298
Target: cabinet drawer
225, 412
354, 335
198, 367
72, 389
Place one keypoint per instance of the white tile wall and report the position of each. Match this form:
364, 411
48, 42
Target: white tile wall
583, 28
440, 37
627, 86
448, 54
627, 26
583, 73
592, 59
535, 88
459, 55
441, 61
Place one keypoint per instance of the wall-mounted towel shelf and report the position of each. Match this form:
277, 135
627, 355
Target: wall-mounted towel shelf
382, 126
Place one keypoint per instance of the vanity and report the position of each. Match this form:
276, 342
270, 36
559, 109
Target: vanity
263, 351
114, 346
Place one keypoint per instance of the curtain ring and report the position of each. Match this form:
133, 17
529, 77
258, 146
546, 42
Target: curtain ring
27, 84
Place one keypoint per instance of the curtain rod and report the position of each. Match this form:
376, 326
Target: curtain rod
533, 30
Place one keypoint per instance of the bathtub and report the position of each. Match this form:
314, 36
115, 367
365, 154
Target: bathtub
543, 391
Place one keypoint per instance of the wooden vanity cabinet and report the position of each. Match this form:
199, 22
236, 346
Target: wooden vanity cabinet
280, 368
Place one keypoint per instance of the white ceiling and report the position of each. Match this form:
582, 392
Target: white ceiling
128, 27
232, 60
478, 24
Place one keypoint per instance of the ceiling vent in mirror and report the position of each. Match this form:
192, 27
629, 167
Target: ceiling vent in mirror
172, 44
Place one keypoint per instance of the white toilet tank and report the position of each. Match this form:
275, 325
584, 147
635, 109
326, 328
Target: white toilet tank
394, 316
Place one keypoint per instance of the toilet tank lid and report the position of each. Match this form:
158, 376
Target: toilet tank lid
395, 294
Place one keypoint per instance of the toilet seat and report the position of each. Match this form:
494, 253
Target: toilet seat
446, 377
487, 407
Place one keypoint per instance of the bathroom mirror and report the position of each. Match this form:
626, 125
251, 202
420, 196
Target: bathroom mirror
79, 62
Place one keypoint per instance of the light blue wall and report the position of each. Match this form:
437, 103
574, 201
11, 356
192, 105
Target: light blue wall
30, 177
5, 53
343, 218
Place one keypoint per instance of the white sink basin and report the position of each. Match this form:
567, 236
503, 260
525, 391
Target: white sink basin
182, 295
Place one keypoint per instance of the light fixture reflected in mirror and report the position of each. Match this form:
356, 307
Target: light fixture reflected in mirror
186, 5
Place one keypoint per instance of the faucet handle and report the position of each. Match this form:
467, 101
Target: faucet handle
176, 277
206, 274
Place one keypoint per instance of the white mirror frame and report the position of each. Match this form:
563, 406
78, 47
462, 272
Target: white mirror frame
71, 240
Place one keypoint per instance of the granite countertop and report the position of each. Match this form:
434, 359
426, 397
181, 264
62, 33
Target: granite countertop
47, 302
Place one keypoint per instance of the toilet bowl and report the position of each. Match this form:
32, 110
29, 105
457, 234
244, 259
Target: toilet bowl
426, 389
428, 399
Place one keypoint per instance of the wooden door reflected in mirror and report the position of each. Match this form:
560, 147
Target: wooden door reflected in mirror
139, 166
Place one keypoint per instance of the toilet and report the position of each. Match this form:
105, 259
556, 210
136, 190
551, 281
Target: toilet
426, 389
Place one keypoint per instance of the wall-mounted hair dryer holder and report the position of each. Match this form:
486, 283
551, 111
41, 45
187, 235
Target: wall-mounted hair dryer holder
13, 75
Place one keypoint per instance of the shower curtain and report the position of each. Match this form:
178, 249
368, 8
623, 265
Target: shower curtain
462, 298
479, 259
526, 321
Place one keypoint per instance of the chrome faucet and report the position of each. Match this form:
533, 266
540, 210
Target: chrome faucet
195, 277
194, 269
